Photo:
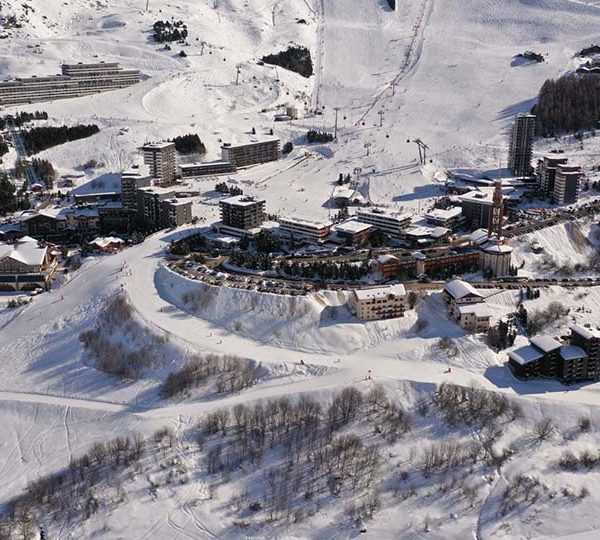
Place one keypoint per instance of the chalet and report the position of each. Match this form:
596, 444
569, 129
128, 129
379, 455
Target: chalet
467, 306
25, 265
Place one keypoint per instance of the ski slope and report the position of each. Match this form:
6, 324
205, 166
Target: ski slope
439, 70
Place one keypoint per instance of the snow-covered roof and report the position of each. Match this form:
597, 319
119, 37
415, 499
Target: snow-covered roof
494, 247
382, 259
419, 255
352, 227
524, 355
587, 333
572, 352
158, 145
107, 184
107, 241
293, 220
26, 251
444, 214
424, 231
380, 292
241, 200
478, 309
459, 289
545, 343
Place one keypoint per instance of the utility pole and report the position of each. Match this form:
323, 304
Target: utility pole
238, 68
147, 3
380, 113
367, 146
202, 44
273, 15
336, 109
422, 150
357, 171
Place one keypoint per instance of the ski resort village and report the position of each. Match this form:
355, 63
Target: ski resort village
300, 269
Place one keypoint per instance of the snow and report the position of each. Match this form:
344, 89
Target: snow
440, 71
380, 292
459, 289
545, 343
526, 354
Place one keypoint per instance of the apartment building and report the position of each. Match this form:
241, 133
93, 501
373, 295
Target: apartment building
521, 144
76, 80
161, 161
242, 212
213, 168
390, 222
546, 357
546, 173
244, 155
353, 232
445, 217
149, 206
388, 265
379, 303
566, 184
305, 229
131, 180
588, 339
176, 212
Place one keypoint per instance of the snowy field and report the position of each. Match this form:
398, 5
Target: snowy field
439, 70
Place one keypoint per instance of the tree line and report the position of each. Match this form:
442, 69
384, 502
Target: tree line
40, 138
568, 104
21, 118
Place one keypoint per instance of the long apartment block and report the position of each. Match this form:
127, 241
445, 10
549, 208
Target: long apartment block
75, 80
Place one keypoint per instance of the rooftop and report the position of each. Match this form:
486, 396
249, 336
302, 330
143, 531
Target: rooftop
249, 143
524, 355
158, 146
103, 185
26, 251
444, 214
304, 221
587, 333
352, 227
382, 259
380, 292
459, 289
572, 352
479, 309
545, 343
241, 200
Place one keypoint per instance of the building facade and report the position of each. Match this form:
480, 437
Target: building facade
546, 357
391, 223
76, 80
521, 145
242, 212
132, 180
244, 155
379, 303
305, 229
161, 161
25, 265
467, 306
196, 170
567, 184
546, 174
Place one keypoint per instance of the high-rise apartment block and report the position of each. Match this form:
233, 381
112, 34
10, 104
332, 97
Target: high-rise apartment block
546, 173
160, 158
242, 212
131, 181
521, 145
566, 184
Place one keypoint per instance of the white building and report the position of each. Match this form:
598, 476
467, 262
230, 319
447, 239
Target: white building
379, 303
388, 221
305, 229
467, 306
444, 217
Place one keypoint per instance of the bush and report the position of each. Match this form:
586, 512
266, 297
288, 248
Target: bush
167, 31
318, 136
287, 148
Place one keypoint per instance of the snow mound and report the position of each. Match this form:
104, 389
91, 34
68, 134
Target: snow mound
320, 322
